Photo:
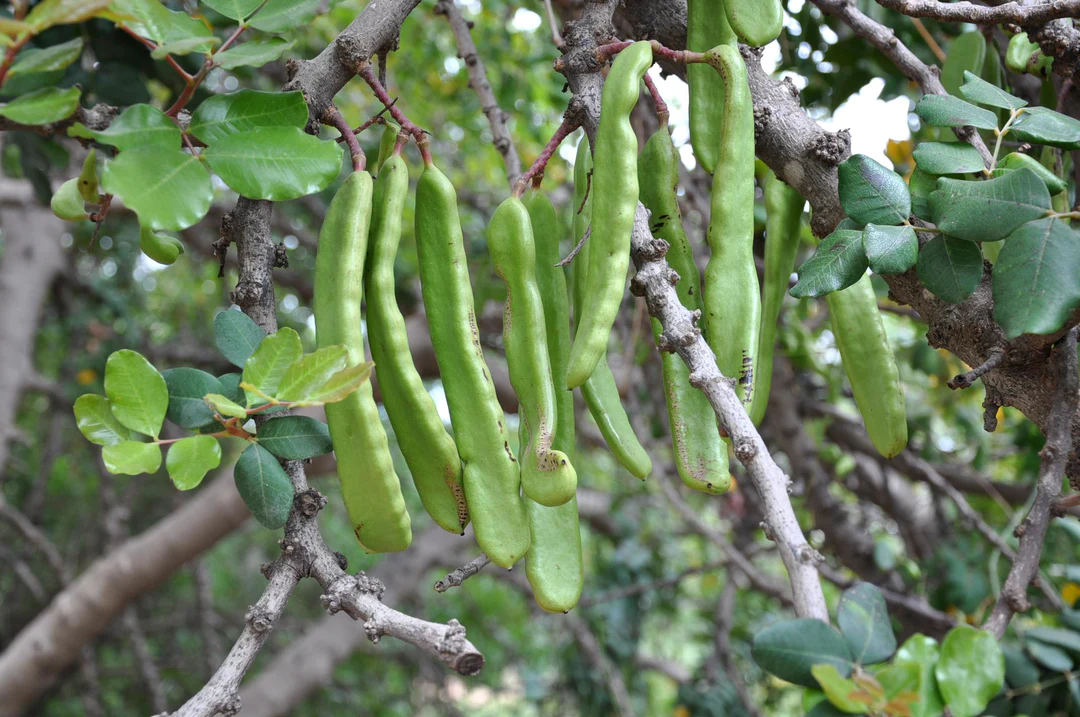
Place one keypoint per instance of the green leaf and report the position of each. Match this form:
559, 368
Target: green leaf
1020, 672
922, 652
42, 106
233, 9
872, 193
254, 53
1014, 161
230, 387
1035, 278
921, 184
1050, 657
162, 248
1044, 126
790, 648
825, 709
53, 58
185, 46
970, 671
949, 268
266, 367
838, 689
890, 250
167, 188
190, 459
225, 406
1059, 637
978, 90
902, 683
311, 372
136, 391
131, 458
966, 54
340, 385
236, 336
281, 15
275, 163
224, 115
949, 111
264, 486
295, 437
864, 622
67, 203
990, 210
138, 126
10, 28
947, 158
187, 386
837, 264
151, 19
63, 12
95, 419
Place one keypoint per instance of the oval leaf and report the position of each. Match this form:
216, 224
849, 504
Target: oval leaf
1035, 278
63, 12
922, 652
1045, 126
838, 263
790, 648
979, 90
224, 115
948, 158
266, 367
187, 386
970, 671
280, 15
1020, 672
136, 391
864, 623
264, 485
340, 385
1059, 637
53, 58
224, 406
921, 184
840, 691
1050, 657
990, 210
43, 106
95, 419
275, 163
138, 126
966, 54
233, 9
230, 388
872, 193
1014, 161
310, 373
237, 336
949, 111
890, 250
190, 459
295, 437
131, 458
167, 188
949, 268
254, 53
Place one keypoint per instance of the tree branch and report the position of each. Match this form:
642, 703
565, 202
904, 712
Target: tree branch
1011, 12
458, 576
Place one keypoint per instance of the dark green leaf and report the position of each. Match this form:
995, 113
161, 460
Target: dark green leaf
187, 386
1045, 126
990, 210
94, 416
949, 111
254, 53
837, 264
970, 671
950, 268
923, 652
864, 622
1036, 285
264, 486
281, 15
890, 250
42, 106
1014, 161
189, 460
131, 458
1059, 637
871, 193
295, 437
151, 19
948, 158
236, 336
233, 9
137, 126
46, 59
136, 391
230, 387
276, 163
921, 184
966, 54
1020, 672
790, 648
150, 179
981, 91
1050, 657
224, 115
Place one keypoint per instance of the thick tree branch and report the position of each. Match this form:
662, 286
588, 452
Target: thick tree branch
1011, 12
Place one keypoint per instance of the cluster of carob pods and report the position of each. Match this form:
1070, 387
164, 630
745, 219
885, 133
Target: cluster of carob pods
524, 505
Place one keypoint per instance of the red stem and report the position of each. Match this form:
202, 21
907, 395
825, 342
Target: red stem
9, 58
537, 168
150, 45
231, 39
391, 105
661, 106
332, 117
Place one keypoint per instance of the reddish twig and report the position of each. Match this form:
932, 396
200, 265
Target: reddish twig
407, 125
537, 168
331, 116
151, 45
9, 58
658, 100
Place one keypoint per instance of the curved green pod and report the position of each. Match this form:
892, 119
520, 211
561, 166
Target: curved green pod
491, 474
706, 27
554, 565
615, 195
756, 22
600, 392
869, 365
783, 207
428, 449
369, 485
701, 456
732, 297
547, 476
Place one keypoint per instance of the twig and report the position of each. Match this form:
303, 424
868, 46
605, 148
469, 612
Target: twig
577, 248
407, 125
1015, 13
460, 575
332, 117
479, 82
658, 100
928, 39
376, 119
565, 129
556, 37
1054, 456
964, 380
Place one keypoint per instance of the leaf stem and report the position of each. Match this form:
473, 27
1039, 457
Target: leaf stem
1001, 135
